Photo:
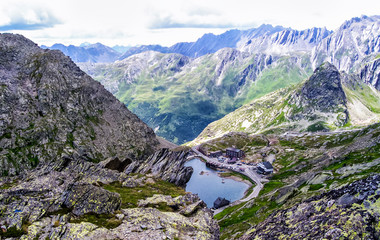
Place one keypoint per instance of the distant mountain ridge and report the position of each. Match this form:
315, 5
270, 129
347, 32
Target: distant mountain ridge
93, 53
170, 90
208, 43
355, 41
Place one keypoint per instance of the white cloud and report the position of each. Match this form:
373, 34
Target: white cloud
166, 22
25, 16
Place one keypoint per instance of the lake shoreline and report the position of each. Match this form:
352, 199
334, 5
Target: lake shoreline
232, 186
238, 179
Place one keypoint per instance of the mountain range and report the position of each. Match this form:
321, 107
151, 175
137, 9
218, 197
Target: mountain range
171, 90
76, 163
92, 53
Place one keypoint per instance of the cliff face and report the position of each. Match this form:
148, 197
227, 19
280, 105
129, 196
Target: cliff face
322, 94
350, 44
50, 108
166, 165
286, 41
370, 74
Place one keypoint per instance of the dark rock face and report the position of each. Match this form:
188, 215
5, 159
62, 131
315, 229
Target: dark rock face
370, 74
349, 212
165, 164
50, 108
116, 164
323, 90
321, 95
86, 198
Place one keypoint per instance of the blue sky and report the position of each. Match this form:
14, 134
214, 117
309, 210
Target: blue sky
166, 22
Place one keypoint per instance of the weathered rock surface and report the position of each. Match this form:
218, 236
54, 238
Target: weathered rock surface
50, 108
86, 198
136, 224
322, 94
351, 212
49, 189
370, 74
40, 196
165, 164
350, 44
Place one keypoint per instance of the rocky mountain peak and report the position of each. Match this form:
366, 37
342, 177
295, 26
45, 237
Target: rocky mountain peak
324, 88
49, 108
321, 97
350, 44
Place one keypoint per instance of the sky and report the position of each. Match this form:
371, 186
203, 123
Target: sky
166, 22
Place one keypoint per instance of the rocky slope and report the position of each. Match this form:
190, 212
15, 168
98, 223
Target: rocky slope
349, 212
56, 123
309, 187
286, 41
328, 100
76, 199
50, 108
94, 53
354, 41
370, 73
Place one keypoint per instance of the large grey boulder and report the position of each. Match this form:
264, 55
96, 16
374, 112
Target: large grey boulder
87, 198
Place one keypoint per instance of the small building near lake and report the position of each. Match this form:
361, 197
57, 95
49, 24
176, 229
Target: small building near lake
234, 152
264, 168
215, 154
221, 202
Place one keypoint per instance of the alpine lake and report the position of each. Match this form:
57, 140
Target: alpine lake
207, 183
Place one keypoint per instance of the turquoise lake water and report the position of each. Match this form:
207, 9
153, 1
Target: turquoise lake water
209, 186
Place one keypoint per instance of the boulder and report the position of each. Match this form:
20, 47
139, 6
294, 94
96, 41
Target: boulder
86, 198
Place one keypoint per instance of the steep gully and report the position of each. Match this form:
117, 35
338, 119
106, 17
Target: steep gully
248, 171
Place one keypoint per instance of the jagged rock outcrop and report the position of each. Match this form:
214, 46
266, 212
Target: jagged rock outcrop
353, 41
54, 187
50, 108
370, 74
349, 212
87, 198
286, 41
165, 164
321, 94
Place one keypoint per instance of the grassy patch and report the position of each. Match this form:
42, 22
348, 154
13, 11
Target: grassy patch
314, 187
8, 185
236, 174
316, 127
270, 186
108, 221
356, 157
131, 196
283, 175
13, 232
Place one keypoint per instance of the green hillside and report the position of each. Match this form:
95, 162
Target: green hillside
179, 97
